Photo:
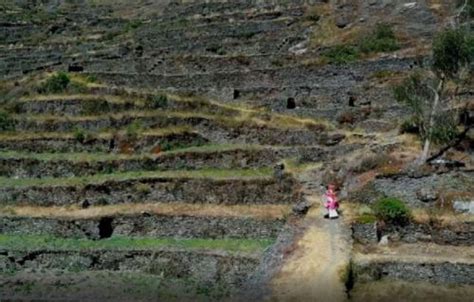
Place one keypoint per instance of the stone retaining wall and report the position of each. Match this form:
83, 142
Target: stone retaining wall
459, 234
226, 159
204, 266
443, 272
160, 189
146, 225
141, 144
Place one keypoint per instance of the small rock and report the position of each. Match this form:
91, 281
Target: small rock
342, 21
410, 5
395, 237
301, 208
427, 195
463, 206
384, 240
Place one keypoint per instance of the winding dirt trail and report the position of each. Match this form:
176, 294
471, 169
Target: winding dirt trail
315, 269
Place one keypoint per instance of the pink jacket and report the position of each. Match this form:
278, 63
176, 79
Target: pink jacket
331, 200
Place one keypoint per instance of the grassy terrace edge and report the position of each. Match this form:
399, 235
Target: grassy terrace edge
212, 174
29, 243
89, 156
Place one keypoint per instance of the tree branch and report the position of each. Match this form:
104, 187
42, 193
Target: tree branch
457, 17
454, 143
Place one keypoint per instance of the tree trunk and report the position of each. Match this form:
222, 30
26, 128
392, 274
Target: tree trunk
434, 108
425, 153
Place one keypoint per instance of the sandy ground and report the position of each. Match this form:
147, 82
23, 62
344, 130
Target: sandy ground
315, 269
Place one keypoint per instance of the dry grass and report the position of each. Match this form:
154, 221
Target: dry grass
63, 97
416, 253
442, 217
326, 33
171, 209
296, 168
13, 136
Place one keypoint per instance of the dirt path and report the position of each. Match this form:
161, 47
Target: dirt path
315, 269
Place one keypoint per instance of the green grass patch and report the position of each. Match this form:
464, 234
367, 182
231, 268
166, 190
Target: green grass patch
212, 174
97, 157
23, 242
162, 132
366, 218
341, 54
381, 39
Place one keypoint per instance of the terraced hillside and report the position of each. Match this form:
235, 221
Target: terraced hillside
170, 151
186, 190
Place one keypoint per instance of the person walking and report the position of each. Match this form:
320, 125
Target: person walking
331, 203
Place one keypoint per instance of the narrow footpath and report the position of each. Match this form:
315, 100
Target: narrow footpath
316, 269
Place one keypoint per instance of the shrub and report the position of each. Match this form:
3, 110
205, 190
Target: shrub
95, 107
91, 79
409, 126
156, 102
451, 51
380, 40
56, 83
6, 122
392, 210
341, 54
444, 129
133, 130
82, 136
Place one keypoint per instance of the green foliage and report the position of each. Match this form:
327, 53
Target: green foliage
382, 39
451, 52
6, 122
133, 130
156, 101
392, 210
56, 83
82, 136
445, 128
469, 10
366, 218
133, 24
341, 54
416, 94
91, 79
409, 126
95, 107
